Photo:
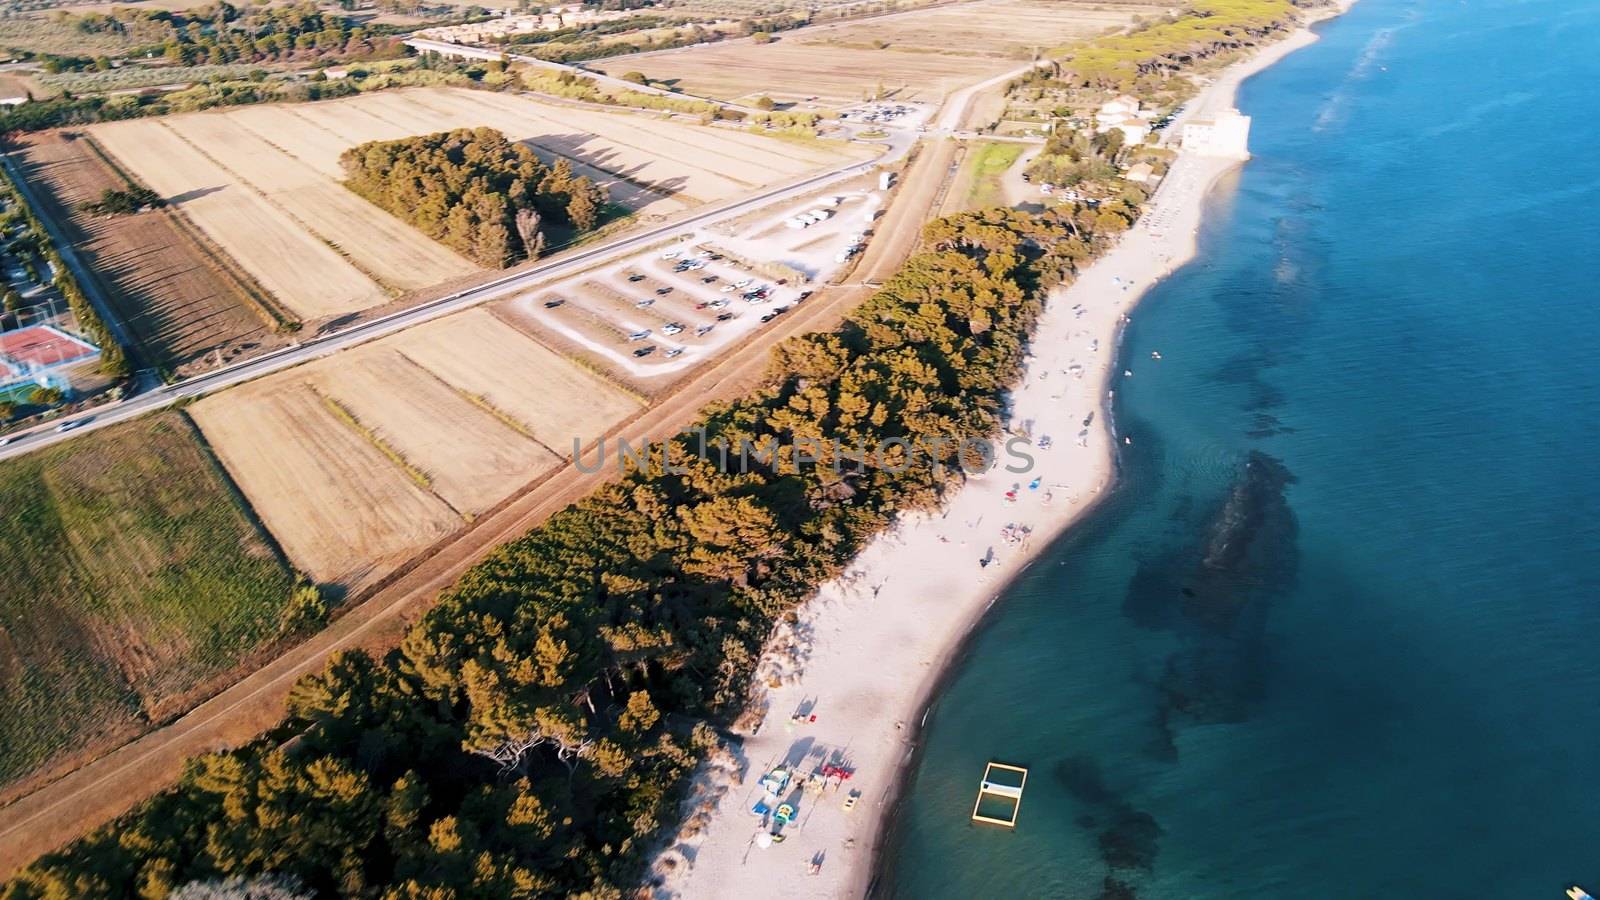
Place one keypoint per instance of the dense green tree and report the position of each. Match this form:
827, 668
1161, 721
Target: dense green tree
472, 189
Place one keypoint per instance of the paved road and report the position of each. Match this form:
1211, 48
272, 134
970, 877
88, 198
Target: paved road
898, 142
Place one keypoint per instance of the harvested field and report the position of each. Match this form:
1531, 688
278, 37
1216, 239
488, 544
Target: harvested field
303, 273
360, 461
132, 577
177, 298
379, 244
337, 503
471, 456
927, 54
553, 398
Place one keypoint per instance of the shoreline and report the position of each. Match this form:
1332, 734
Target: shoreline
908, 603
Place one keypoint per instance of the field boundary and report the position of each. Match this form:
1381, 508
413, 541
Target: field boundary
256, 297
240, 500
479, 401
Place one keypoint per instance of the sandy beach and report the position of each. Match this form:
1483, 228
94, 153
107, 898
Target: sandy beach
846, 685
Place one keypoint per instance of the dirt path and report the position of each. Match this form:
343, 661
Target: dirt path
900, 230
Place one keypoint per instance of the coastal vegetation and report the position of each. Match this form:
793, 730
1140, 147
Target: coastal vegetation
537, 727
1153, 59
486, 197
133, 576
1163, 47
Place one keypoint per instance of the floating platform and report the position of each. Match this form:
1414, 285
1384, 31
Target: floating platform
1002, 786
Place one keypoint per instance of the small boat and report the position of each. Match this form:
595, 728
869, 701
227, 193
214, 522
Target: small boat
1578, 893
1155, 354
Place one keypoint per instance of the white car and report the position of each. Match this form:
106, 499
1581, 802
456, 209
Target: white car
703, 330
675, 351
743, 283
671, 328
674, 253
639, 335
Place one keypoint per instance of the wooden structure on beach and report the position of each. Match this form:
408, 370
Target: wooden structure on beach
996, 785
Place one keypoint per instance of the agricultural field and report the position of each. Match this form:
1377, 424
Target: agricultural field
916, 56
305, 275
177, 298
262, 182
358, 462
132, 577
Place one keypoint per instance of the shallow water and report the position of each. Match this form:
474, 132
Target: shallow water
1332, 636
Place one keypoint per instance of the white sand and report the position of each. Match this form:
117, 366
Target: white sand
869, 648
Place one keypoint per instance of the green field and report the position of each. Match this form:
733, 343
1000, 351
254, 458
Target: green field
989, 162
131, 575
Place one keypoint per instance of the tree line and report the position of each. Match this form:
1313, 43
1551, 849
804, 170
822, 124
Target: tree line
1163, 47
477, 192
222, 33
536, 730
256, 87
113, 356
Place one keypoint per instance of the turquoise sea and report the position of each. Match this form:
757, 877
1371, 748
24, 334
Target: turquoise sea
1337, 632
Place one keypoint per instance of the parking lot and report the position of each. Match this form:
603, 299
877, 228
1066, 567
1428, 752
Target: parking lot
662, 313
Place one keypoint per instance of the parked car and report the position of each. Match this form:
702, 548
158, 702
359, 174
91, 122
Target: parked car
672, 328
648, 301
645, 351
639, 335
724, 317
709, 279
636, 277
553, 303
675, 351
719, 304
703, 330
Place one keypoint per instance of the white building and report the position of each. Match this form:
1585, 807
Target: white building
1122, 108
1226, 135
